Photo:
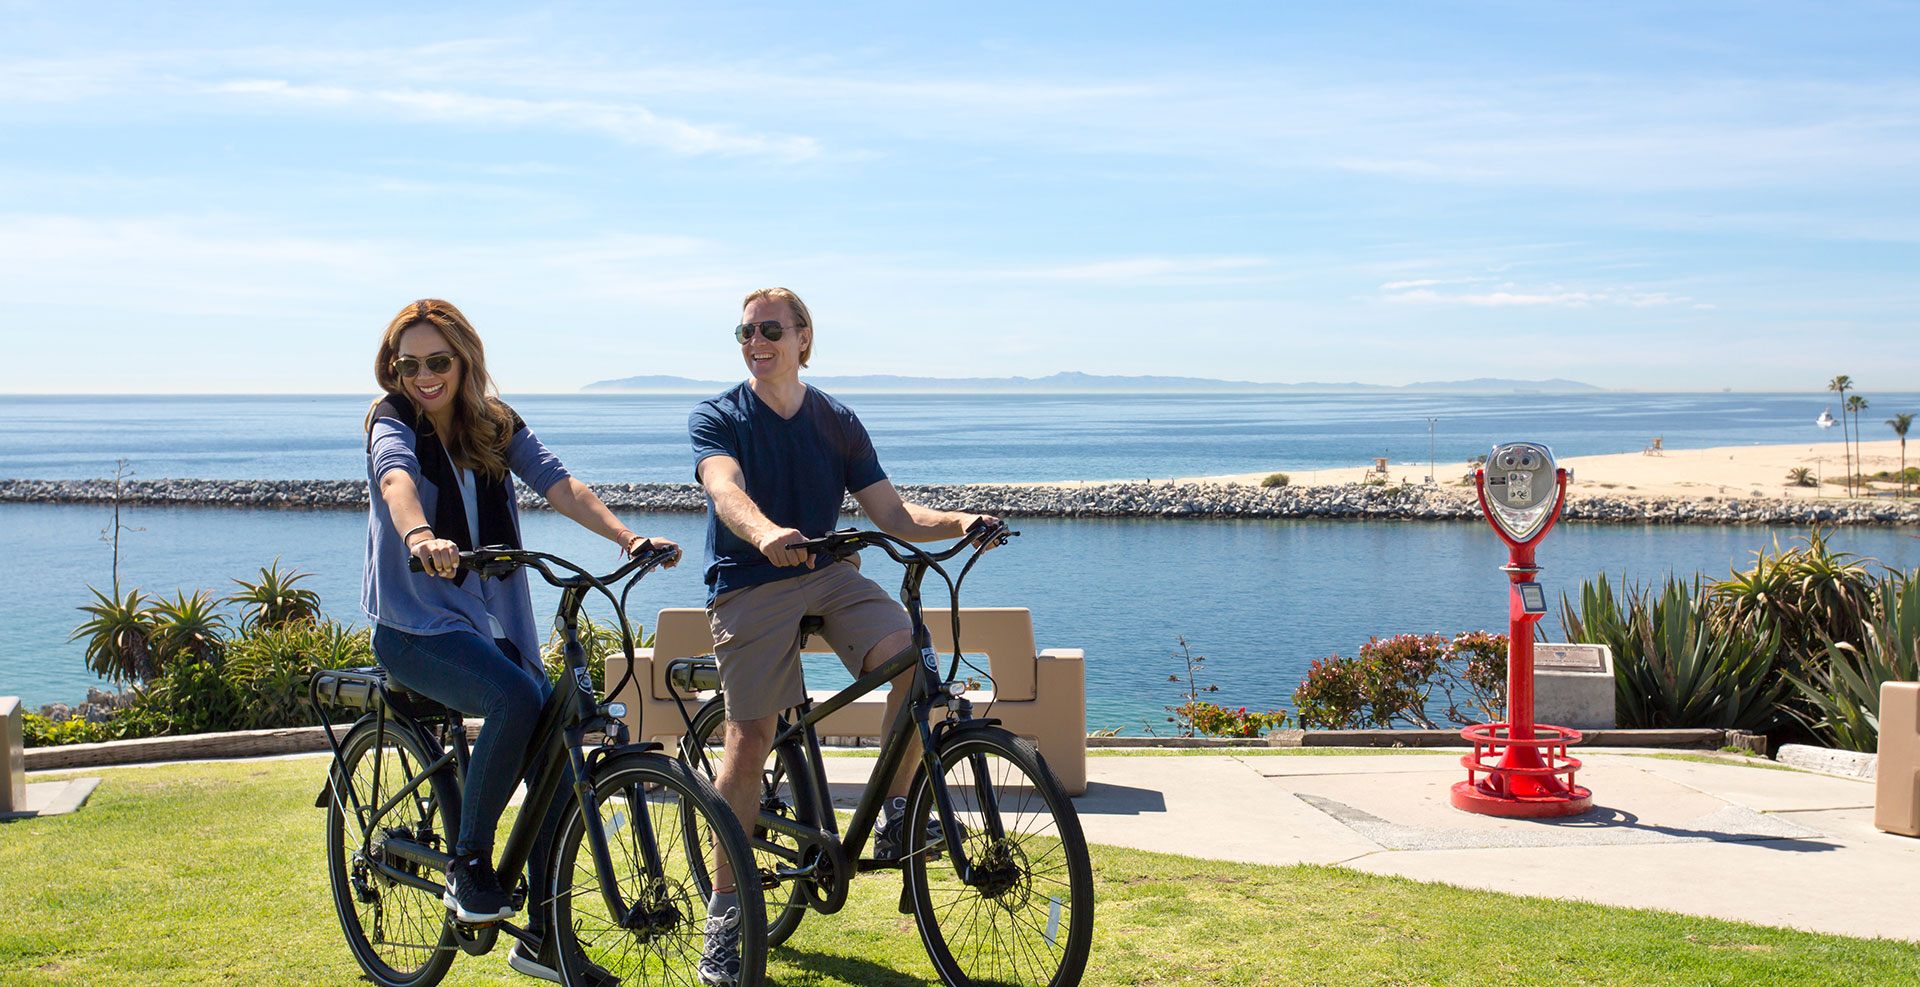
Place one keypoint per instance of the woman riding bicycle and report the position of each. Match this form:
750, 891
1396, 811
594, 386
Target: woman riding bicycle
440, 448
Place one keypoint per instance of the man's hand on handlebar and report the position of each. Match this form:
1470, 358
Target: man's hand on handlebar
977, 525
438, 557
778, 546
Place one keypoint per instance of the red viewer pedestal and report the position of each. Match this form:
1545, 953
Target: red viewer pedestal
1520, 768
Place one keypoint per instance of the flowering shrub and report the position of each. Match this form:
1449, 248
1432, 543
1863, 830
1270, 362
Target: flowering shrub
1392, 679
1211, 720
1333, 695
1477, 666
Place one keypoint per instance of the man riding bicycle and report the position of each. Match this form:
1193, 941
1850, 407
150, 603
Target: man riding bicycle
775, 458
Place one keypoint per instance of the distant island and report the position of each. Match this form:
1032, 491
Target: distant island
1071, 383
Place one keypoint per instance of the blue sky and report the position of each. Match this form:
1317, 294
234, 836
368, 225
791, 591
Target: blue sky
236, 197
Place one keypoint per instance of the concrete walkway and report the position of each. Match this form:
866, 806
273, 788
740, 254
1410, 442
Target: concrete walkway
1751, 843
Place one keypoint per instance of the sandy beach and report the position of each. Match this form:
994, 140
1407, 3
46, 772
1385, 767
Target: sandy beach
1734, 471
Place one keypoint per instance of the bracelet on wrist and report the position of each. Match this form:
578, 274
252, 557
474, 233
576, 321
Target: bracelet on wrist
407, 538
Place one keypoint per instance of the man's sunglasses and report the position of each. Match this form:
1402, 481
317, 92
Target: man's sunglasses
770, 331
409, 367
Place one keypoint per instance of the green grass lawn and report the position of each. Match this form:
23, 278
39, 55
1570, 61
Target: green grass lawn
214, 874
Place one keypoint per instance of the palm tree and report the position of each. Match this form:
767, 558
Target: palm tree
1857, 404
1899, 424
1839, 384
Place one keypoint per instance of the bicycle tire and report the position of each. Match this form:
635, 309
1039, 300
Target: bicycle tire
666, 955
786, 790
362, 897
1035, 880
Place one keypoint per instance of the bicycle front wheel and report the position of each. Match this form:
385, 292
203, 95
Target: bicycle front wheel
1025, 917
664, 827
398, 930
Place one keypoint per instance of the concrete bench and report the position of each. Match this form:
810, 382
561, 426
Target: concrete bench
1040, 695
13, 756
1896, 796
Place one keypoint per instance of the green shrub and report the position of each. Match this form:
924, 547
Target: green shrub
1843, 689
1276, 480
599, 641
39, 731
270, 665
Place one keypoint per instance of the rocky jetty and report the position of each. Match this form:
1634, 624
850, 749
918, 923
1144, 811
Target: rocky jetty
1106, 500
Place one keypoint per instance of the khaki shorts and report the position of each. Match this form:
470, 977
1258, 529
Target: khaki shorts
756, 634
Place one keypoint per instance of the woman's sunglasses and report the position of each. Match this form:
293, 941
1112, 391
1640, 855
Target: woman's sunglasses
770, 331
409, 367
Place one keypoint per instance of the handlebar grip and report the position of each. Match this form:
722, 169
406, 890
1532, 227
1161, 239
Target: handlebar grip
413, 564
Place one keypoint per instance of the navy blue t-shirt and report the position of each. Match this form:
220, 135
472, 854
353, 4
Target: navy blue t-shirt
797, 471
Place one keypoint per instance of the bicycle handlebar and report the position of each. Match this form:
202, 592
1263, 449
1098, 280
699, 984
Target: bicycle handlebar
844, 542
497, 562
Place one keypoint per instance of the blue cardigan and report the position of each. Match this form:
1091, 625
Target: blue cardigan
421, 604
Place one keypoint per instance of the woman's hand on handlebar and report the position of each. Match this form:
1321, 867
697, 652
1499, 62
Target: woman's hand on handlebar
438, 556
632, 545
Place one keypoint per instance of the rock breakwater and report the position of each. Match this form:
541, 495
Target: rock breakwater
1107, 500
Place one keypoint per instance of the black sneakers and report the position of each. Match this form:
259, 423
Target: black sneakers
546, 966
889, 834
473, 890
720, 957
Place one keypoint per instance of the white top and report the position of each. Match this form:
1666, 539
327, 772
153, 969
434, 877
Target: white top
471, 500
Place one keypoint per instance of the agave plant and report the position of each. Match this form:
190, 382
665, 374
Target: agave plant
1673, 666
1808, 595
1844, 688
188, 628
275, 600
1801, 476
119, 636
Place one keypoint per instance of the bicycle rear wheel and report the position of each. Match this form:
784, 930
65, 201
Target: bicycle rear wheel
662, 824
1026, 918
398, 931
784, 788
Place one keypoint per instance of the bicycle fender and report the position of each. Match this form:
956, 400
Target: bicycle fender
945, 727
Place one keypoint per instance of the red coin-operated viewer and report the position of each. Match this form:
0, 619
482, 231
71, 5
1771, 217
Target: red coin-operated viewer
1521, 768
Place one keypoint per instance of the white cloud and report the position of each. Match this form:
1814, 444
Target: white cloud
1512, 296
623, 121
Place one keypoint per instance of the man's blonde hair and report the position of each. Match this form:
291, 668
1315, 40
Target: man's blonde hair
794, 303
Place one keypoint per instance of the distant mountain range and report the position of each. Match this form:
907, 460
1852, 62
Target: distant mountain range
1071, 382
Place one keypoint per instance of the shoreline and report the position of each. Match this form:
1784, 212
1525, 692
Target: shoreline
1717, 485
1105, 501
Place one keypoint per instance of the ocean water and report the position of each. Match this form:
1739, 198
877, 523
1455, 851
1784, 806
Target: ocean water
921, 438
1260, 599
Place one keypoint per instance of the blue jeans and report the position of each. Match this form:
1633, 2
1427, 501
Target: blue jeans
484, 678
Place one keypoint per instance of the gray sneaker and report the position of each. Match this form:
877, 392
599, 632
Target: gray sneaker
720, 958
888, 832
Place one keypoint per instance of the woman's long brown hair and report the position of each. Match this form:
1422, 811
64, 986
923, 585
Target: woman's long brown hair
482, 425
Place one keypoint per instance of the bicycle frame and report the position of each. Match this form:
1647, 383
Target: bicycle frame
560, 734
929, 690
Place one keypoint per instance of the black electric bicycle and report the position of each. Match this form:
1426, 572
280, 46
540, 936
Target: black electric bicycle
631, 857
1000, 886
